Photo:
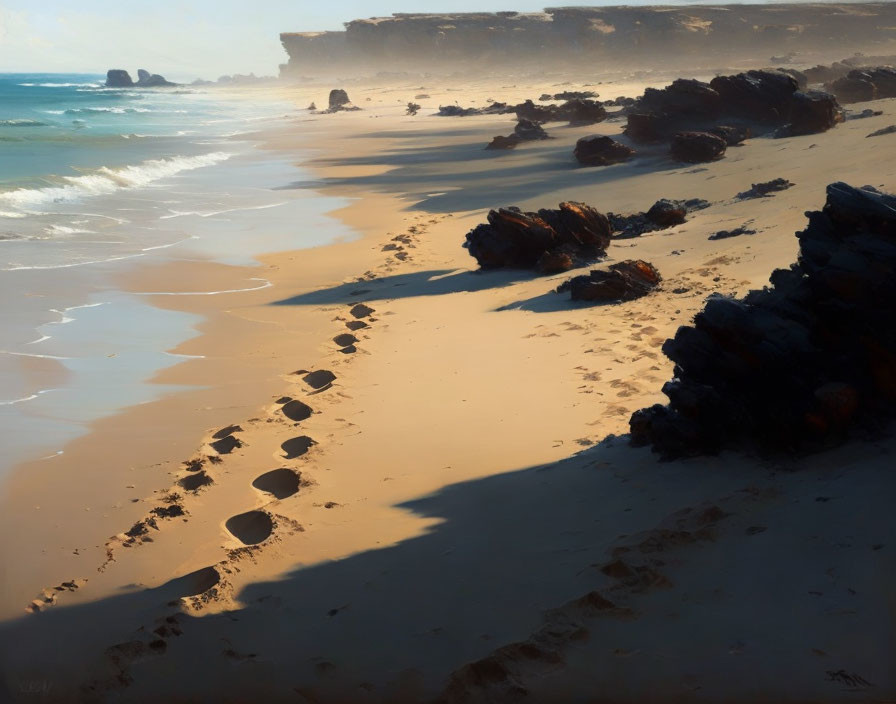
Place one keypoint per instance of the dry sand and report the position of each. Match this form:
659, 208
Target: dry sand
457, 493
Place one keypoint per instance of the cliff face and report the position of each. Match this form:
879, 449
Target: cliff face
424, 42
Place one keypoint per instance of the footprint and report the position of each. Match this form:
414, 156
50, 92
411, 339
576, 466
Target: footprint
226, 445
361, 311
345, 339
250, 528
197, 582
282, 482
356, 325
194, 482
296, 447
320, 379
229, 430
296, 411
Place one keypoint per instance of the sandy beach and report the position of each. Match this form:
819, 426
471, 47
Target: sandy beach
430, 470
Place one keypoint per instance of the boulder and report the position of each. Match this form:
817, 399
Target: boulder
684, 98
528, 131
623, 281
695, 147
578, 111
516, 239
338, 99
793, 367
667, 213
118, 78
812, 112
646, 127
145, 79
598, 150
733, 135
757, 96
504, 143
853, 89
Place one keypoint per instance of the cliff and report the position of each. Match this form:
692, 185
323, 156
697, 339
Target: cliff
426, 42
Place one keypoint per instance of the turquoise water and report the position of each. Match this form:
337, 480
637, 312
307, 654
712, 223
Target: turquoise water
97, 181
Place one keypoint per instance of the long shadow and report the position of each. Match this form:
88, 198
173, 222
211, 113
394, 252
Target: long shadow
438, 180
434, 282
428, 603
390, 624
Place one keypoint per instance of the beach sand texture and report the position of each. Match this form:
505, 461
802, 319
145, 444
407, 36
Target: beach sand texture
390, 465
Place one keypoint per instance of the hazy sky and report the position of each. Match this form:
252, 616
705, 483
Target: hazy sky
186, 39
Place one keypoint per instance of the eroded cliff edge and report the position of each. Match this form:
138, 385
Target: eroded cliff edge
630, 34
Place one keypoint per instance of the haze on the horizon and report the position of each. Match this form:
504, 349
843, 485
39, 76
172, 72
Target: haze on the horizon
198, 38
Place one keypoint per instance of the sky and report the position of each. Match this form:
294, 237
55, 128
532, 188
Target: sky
187, 39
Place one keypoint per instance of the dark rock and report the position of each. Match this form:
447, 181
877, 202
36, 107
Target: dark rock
667, 213
145, 79
760, 96
554, 263
623, 281
683, 99
761, 190
812, 112
512, 238
663, 214
504, 143
731, 134
338, 99
852, 89
646, 127
528, 131
571, 95
802, 80
578, 111
118, 78
413, 108
867, 112
597, 150
792, 367
695, 147
458, 111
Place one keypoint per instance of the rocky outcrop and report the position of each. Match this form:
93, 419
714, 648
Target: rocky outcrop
552, 240
795, 366
338, 99
598, 150
145, 79
118, 78
578, 111
525, 131
694, 147
860, 85
663, 214
623, 281
506, 41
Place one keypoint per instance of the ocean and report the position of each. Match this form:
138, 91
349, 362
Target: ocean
95, 181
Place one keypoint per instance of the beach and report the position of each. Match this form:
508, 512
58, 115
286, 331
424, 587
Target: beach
461, 477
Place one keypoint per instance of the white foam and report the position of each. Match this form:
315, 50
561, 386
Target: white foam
170, 244
266, 284
105, 180
212, 213
33, 396
72, 264
65, 230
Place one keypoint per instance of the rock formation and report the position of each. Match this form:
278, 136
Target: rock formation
585, 35
661, 215
860, 85
795, 366
623, 281
515, 239
597, 150
695, 147
118, 78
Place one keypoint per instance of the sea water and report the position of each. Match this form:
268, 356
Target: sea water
96, 180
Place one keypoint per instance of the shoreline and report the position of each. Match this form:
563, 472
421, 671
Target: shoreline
480, 354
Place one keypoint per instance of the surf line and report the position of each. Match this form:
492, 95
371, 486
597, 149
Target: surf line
266, 284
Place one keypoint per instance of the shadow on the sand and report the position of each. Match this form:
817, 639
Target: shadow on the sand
434, 282
463, 177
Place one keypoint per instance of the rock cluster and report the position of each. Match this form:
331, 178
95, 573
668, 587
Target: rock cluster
549, 240
525, 131
570, 95
661, 215
792, 367
622, 281
863, 84
727, 107
695, 147
598, 150
119, 78
458, 111
578, 111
